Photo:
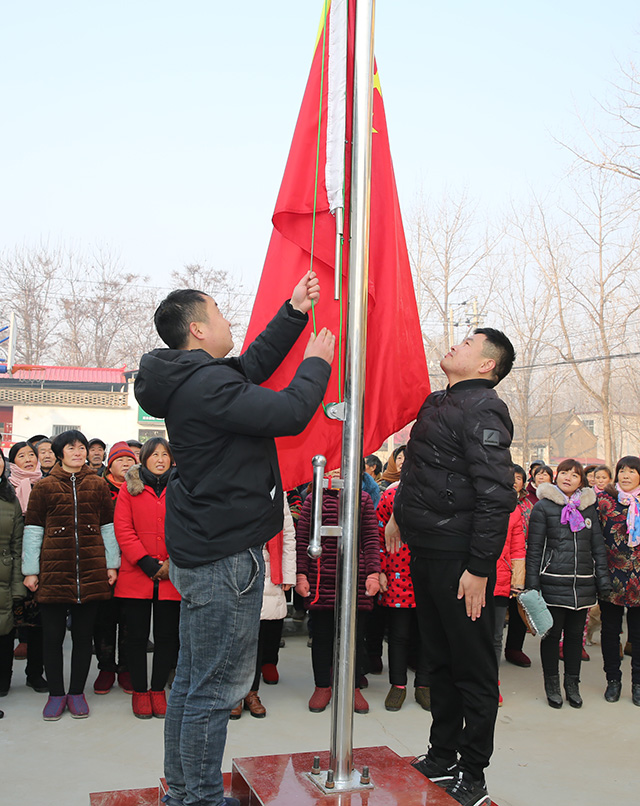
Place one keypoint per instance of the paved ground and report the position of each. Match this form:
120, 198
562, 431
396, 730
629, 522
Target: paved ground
543, 756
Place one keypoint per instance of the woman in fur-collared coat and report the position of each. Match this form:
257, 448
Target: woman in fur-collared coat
567, 562
143, 583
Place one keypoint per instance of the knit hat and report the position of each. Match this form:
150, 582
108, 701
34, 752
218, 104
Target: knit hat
119, 449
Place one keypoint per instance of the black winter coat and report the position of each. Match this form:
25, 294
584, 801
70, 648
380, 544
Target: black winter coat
226, 493
456, 491
569, 568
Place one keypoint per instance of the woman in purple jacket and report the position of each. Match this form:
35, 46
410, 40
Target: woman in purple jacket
316, 583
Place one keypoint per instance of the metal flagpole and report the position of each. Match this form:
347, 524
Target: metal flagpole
341, 748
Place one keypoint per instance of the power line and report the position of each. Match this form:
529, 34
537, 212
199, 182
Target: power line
579, 360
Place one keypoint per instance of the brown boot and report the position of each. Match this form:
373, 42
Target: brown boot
252, 703
236, 712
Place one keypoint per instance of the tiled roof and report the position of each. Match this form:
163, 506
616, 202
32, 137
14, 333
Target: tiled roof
70, 374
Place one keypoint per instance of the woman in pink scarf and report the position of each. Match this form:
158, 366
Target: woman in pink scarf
619, 507
602, 477
24, 471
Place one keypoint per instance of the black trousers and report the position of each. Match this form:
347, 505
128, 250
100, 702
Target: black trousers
501, 604
54, 627
375, 628
110, 628
517, 629
322, 647
6, 657
268, 646
612, 616
404, 643
572, 622
34, 667
166, 628
463, 671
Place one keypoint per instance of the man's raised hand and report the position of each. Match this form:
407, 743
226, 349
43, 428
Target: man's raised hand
321, 346
306, 292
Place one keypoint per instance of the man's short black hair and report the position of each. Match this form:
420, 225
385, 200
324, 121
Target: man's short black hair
67, 438
500, 349
176, 312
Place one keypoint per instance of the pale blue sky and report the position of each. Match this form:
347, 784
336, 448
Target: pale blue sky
162, 128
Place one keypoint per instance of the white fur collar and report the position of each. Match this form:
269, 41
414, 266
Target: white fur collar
552, 493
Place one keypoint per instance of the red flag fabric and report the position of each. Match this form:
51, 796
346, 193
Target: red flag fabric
396, 371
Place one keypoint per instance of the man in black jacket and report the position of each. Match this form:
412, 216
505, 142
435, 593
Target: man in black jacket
452, 509
224, 501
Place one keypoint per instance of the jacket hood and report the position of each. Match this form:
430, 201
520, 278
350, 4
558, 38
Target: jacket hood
553, 493
161, 372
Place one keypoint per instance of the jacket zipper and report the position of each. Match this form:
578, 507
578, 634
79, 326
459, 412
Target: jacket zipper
75, 527
575, 568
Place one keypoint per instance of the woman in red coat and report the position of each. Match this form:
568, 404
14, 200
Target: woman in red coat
143, 583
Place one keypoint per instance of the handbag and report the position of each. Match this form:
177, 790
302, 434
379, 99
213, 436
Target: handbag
536, 613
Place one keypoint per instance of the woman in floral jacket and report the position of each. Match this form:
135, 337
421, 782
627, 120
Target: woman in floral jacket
619, 507
402, 623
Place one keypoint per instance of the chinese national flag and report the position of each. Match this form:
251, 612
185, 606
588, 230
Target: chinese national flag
397, 381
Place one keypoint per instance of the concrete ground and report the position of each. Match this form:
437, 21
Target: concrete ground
542, 756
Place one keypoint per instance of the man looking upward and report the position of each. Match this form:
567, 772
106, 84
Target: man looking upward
452, 509
224, 501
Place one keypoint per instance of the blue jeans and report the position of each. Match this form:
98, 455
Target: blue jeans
219, 623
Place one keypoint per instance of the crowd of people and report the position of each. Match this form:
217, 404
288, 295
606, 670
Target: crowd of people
450, 533
83, 545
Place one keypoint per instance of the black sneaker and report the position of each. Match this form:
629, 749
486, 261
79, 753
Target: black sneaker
438, 772
464, 790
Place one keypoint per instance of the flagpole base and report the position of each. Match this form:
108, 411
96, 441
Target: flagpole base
285, 780
328, 786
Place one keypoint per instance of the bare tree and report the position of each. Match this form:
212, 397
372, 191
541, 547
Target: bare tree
103, 305
525, 307
231, 295
31, 284
589, 264
616, 149
454, 266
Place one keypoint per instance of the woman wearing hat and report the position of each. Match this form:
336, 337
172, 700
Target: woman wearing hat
110, 624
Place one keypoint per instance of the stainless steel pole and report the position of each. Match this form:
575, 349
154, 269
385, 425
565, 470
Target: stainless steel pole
341, 749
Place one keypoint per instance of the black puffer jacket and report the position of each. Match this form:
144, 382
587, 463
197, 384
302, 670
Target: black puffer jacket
567, 567
225, 494
456, 491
